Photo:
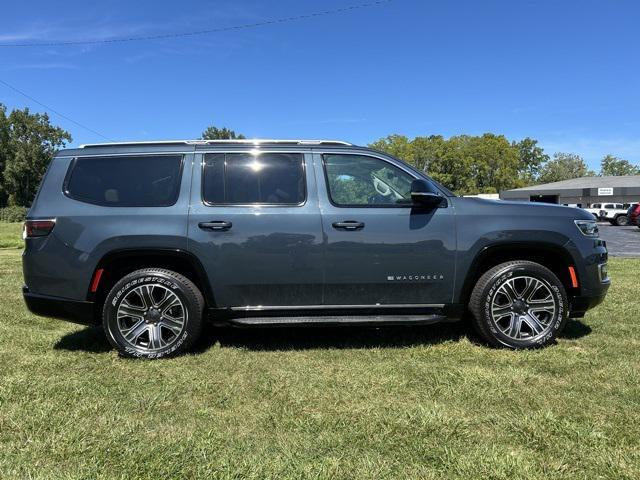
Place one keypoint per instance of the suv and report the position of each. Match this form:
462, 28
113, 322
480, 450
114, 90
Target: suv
615, 213
153, 239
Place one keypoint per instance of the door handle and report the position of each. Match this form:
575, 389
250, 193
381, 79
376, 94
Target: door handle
348, 225
217, 225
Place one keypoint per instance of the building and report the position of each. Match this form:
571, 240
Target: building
580, 191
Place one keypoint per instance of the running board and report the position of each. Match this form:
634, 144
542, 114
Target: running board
340, 320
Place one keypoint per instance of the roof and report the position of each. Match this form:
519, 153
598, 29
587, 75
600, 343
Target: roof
247, 141
585, 182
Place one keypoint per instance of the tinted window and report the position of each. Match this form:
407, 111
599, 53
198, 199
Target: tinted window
360, 180
135, 181
244, 178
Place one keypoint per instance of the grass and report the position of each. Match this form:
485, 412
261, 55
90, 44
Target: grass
11, 235
322, 403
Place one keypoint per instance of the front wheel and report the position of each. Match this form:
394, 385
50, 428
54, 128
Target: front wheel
153, 313
519, 304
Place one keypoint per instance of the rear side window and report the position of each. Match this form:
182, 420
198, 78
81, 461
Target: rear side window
126, 181
245, 178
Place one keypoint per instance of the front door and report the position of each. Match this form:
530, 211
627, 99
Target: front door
380, 250
255, 225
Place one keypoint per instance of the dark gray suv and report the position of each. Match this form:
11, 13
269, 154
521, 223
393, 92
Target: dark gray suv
152, 239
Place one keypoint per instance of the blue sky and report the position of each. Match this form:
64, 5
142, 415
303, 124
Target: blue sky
564, 72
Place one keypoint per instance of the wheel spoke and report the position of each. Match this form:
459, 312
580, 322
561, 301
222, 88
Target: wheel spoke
531, 287
128, 310
501, 311
174, 325
534, 324
155, 337
515, 324
508, 290
145, 293
132, 334
546, 304
168, 302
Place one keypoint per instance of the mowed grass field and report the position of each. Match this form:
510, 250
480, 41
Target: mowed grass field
322, 403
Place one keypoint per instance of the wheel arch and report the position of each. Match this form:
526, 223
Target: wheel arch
552, 256
118, 263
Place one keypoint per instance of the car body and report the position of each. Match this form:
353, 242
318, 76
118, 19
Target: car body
291, 233
615, 213
633, 213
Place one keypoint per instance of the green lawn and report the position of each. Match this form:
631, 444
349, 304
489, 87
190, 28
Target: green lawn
11, 235
322, 403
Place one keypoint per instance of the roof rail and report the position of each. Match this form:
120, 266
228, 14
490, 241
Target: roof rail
247, 141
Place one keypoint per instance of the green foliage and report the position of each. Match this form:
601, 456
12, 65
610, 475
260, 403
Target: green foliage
215, 133
465, 164
13, 214
28, 143
11, 235
611, 165
531, 157
564, 166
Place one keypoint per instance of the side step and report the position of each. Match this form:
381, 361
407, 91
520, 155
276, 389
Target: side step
340, 320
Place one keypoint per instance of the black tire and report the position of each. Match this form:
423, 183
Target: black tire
489, 298
166, 314
622, 220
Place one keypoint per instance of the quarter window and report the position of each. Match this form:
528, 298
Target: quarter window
360, 180
245, 178
126, 181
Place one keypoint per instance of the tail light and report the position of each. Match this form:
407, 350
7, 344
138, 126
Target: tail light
38, 228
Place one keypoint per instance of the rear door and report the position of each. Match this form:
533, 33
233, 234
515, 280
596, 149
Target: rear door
381, 251
254, 222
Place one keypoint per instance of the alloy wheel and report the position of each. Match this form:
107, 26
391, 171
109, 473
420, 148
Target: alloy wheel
523, 307
151, 317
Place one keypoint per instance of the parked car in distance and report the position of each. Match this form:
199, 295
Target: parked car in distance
615, 213
633, 213
153, 239
594, 209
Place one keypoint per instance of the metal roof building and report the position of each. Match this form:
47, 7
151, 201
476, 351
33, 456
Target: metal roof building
580, 191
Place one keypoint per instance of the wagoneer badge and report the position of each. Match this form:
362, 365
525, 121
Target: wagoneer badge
414, 278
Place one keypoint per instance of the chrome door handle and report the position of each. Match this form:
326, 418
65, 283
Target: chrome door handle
348, 225
216, 226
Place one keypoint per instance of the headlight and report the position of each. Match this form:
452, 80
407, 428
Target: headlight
587, 227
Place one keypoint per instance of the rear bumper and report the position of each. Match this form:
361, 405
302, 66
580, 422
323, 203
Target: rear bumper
62, 308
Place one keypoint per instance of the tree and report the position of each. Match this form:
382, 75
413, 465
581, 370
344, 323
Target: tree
215, 133
28, 143
564, 166
611, 165
465, 164
532, 157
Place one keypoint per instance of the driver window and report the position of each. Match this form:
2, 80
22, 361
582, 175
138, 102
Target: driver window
360, 180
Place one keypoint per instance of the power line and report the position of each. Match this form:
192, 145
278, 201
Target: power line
54, 111
199, 32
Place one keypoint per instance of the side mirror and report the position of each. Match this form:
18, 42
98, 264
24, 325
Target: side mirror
422, 194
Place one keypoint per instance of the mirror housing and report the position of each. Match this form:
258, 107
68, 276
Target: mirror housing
423, 194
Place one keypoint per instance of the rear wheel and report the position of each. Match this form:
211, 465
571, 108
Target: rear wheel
519, 304
622, 220
153, 313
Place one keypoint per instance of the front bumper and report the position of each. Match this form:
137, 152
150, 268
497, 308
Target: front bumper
62, 308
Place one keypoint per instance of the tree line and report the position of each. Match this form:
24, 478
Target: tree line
466, 164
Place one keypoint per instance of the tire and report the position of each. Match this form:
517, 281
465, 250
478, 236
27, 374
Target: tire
536, 316
153, 313
622, 220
